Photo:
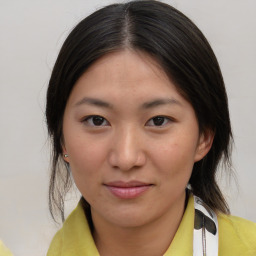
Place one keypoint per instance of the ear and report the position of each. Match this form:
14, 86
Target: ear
204, 144
65, 154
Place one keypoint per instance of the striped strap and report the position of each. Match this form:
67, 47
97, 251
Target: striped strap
206, 236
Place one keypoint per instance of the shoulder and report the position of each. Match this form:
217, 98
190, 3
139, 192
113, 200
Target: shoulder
66, 232
74, 238
56, 244
237, 236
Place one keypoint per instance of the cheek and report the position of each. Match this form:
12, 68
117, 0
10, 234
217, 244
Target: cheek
86, 159
85, 166
175, 157
85, 151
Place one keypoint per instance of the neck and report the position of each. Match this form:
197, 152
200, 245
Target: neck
150, 239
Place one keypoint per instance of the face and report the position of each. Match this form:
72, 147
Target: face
131, 140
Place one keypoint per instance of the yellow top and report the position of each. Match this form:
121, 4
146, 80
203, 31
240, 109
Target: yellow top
3, 250
237, 236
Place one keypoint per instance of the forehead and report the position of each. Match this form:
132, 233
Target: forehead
117, 65
125, 71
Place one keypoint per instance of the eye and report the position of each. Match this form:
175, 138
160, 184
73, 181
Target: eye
158, 121
96, 121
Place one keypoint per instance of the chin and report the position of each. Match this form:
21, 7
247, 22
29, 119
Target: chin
131, 218
131, 222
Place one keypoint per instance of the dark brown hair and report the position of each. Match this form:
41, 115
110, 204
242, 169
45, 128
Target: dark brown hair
184, 54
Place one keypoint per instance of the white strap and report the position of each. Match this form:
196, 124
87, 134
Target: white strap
206, 236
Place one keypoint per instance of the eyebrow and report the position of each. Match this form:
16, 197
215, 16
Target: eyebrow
159, 102
146, 105
95, 102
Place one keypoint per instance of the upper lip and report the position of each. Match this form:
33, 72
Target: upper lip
127, 184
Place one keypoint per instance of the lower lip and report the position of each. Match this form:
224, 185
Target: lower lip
129, 192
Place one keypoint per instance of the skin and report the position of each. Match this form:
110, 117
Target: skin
128, 90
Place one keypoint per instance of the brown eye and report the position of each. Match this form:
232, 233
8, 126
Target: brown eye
96, 121
158, 121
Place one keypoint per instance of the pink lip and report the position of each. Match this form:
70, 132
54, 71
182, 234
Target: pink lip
127, 190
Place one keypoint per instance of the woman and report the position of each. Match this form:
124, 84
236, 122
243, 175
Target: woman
138, 113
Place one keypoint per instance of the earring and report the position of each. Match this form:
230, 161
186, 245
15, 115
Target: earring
65, 155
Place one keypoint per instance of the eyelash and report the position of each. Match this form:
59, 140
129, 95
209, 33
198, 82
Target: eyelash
90, 122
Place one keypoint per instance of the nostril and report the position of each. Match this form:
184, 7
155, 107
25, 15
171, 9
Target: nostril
126, 162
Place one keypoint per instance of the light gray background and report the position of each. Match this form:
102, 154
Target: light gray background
31, 33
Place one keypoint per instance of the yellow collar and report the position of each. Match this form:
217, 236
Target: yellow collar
182, 243
75, 237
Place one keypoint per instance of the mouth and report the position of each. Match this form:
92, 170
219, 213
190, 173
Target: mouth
127, 190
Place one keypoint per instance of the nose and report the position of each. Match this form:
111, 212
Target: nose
127, 151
